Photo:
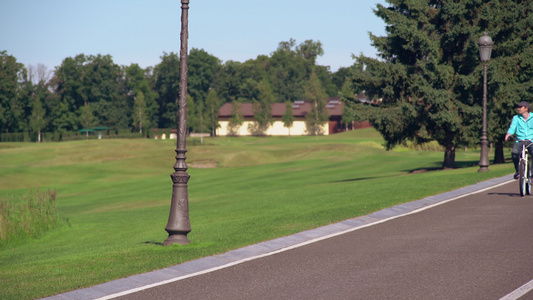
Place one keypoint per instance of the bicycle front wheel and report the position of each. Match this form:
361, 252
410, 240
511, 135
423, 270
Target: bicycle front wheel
522, 179
528, 178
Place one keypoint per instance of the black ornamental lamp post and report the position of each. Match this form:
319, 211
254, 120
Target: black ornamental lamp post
179, 225
485, 49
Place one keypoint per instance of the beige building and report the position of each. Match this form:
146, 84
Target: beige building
299, 109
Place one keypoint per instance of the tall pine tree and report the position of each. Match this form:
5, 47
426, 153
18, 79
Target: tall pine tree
427, 74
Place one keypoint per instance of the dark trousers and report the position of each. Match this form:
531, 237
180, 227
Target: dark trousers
517, 150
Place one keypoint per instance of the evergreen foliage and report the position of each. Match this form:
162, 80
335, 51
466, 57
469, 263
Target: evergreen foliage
428, 75
510, 24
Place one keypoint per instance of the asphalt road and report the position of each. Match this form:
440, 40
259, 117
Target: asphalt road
478, 246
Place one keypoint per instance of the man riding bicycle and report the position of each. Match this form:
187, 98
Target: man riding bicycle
522, 125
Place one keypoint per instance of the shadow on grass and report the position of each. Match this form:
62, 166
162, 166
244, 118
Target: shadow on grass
153, 243
458, 165
354, 179
466, 164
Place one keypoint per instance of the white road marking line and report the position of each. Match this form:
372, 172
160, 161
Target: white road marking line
131, 291
519, 292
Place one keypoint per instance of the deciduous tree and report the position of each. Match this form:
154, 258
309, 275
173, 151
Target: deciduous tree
287, 72
91, 79
140, 117
136, 82
262, 108
37, 120
103, 80
87, 119
165, 81
236, 120
213, 104
288, 116
318, 115
11, 74
204, 71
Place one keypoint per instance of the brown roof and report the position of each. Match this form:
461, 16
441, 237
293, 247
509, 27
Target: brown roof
299, 108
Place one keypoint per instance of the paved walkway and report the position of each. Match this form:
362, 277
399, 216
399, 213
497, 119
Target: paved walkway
142, 286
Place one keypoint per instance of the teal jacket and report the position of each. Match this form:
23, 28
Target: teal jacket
522, 128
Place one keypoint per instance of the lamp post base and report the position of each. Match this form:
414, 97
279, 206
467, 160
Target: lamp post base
484, 155
483, 169
178, 238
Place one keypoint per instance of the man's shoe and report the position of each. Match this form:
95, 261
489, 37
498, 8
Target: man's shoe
516, 175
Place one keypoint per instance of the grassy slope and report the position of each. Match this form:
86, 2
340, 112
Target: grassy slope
116, 195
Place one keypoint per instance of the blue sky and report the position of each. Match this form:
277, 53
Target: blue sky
132, 31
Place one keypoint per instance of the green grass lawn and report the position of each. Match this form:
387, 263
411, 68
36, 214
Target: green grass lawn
116, 196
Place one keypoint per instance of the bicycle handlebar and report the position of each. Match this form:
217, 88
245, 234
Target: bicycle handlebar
514, 139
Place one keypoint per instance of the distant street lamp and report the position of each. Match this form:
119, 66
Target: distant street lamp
485, 49
179, 225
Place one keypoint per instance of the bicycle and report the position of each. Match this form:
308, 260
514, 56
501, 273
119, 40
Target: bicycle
524, 169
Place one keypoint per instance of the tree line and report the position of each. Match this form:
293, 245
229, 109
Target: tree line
88, 91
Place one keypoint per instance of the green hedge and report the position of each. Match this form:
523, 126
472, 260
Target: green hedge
75, 135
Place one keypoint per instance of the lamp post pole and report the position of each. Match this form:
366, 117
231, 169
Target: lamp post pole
485, 48
179, 225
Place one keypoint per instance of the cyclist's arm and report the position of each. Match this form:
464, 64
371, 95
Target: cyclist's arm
512, 128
